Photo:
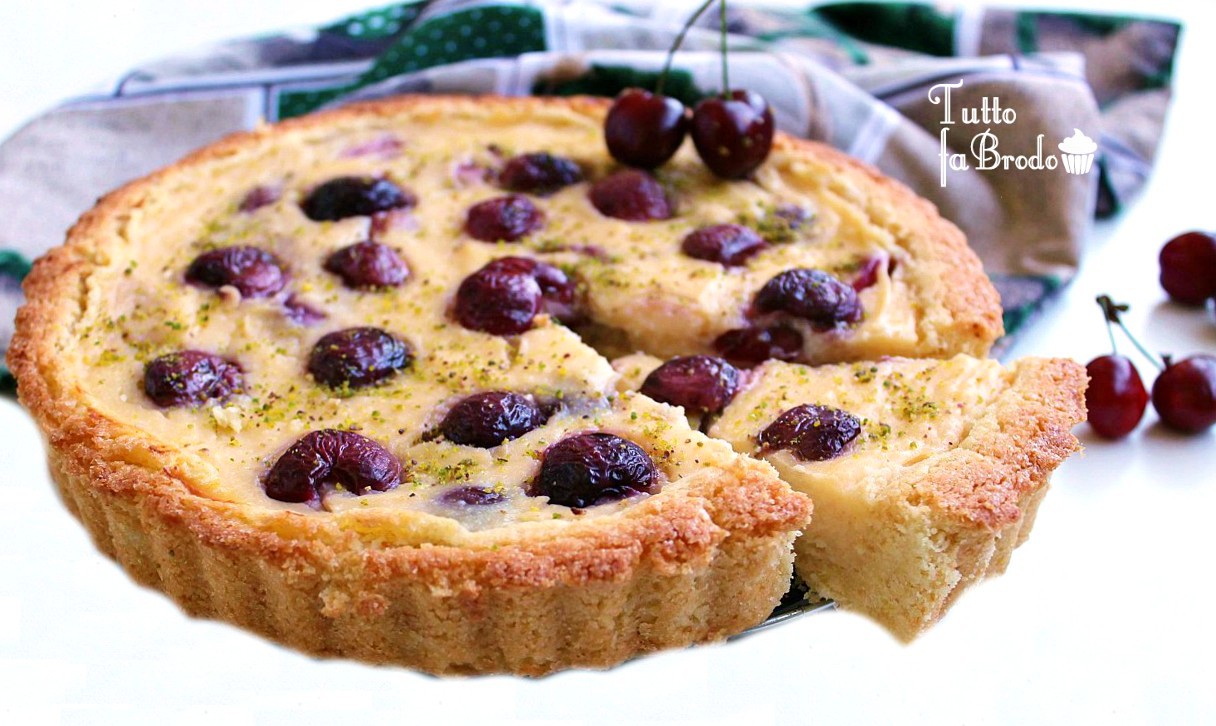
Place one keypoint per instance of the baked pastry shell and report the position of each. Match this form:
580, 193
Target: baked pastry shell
668, 571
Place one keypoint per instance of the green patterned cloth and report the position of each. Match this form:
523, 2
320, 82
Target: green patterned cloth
869, 79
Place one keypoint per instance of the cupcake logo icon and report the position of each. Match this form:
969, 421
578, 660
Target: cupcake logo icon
1078, 152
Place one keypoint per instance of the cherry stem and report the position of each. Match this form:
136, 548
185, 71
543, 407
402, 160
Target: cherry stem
1111, 310
671, 53
722, 32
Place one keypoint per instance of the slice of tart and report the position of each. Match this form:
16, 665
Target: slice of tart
925, 474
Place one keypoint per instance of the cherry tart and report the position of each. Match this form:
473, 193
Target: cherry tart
322, 381
344, 380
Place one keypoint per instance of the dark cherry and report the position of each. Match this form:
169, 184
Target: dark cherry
539, 173
1116, 397
259, 197
699, 383
327, 458
1184, 394
1188, 267
812, 295
385, 146
794, 217
811, 431
191, 378
748, 347
594, 468
733, 135
503, 219
504, 296
632, 195
559, 293
357, 357
368, 265
867, 273
252, 271
352, 196
727, 244
644, 129
471, 496
486, 420
300, 312
501, 298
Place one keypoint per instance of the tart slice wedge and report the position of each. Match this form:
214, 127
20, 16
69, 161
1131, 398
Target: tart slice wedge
925, 474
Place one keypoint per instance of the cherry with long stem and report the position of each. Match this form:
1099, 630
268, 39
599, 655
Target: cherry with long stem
675, 46
722, 34
1116, 397
1112, 311
1184, 393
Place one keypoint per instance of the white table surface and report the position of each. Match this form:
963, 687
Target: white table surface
1105, 615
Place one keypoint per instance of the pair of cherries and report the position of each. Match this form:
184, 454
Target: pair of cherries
1184, 392
733, 133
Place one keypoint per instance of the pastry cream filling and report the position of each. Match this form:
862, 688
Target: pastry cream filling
137, 306
909, 410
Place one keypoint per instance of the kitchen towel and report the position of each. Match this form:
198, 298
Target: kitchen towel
1020, 125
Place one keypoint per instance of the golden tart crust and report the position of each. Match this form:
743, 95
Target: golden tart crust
706, 557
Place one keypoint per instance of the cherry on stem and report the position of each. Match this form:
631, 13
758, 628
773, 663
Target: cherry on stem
1115, 398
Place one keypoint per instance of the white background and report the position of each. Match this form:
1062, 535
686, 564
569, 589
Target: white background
1105, 616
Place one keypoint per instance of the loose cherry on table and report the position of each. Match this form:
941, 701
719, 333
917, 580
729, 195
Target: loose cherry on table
644, 129
1184, 394
1188, 267
1116, 397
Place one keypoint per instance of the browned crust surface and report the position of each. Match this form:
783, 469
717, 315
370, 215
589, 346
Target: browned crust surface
673, 571
1009, 453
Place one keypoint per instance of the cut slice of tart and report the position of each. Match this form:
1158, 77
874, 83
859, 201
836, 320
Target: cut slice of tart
925, 474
